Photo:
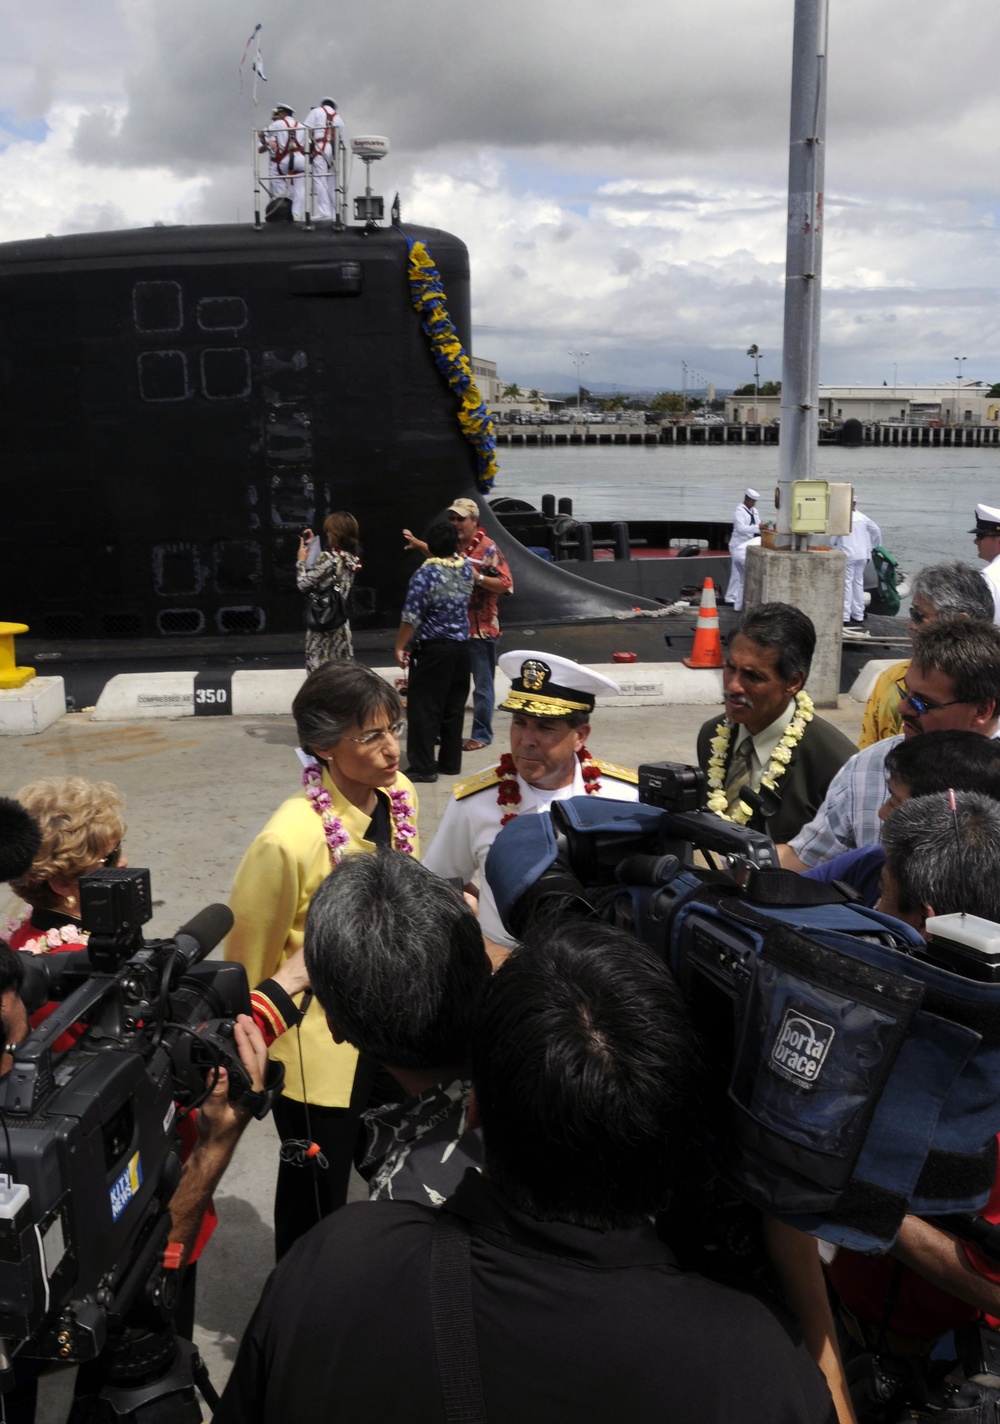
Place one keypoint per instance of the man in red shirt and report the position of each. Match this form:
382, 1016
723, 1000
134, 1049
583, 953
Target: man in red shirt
492, 579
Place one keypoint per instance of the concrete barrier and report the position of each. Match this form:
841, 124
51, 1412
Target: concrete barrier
33, 707
861, 687
268, 692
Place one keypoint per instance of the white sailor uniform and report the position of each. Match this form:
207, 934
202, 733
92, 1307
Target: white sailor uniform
858, 545
472, 822
746, 530
326, 129
286, 139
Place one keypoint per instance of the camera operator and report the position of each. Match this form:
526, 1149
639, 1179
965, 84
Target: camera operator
551, 1297
219, 1126
936, 862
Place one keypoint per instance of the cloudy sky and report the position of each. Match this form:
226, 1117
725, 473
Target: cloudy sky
618, 170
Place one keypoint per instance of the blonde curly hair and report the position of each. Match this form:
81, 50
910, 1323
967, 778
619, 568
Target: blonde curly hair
79, 821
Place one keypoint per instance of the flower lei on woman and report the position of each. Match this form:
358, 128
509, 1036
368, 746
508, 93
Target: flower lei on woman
50, 939
509, 789
776, 767
400, 812
428, 298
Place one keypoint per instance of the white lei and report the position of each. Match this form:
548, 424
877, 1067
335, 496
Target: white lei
776, 767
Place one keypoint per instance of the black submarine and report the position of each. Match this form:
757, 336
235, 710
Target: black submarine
178, 403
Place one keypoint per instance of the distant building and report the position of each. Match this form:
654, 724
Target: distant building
967, 404
485, 374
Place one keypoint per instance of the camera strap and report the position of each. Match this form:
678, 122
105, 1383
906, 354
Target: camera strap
788, 888
454, 1327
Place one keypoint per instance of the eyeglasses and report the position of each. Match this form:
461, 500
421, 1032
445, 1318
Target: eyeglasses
113, 857
920, 705
919, 618
457, 518
379, 734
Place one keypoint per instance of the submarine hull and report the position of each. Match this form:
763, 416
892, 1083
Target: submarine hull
177, 404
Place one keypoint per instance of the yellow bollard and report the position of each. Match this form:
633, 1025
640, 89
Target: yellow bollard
12, 676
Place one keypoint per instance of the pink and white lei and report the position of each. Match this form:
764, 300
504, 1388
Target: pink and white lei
50, 939
401, 813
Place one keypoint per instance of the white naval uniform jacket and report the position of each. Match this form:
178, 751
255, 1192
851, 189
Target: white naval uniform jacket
472, 823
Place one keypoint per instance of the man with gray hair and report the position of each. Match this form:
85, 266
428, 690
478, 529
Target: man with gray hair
941, 591
397, 962
942, 862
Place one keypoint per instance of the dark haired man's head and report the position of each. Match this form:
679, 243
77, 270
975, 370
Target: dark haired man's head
442, 540
953, 680
396, 959
20, 838
941, 863
767, 663
585, 1068
939, 761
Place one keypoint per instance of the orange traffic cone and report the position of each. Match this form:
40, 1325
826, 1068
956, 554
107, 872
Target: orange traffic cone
707, 649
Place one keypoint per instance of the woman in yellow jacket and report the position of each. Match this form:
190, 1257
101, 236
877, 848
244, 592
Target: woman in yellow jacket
353, 799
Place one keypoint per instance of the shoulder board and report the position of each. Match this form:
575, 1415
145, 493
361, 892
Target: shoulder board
472, 784
618, 773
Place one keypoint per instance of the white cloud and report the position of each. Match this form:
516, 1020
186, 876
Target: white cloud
44, 189
619, 176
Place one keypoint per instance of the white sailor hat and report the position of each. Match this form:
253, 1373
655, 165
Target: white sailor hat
546, 685
283, 109
987, 521
751, 494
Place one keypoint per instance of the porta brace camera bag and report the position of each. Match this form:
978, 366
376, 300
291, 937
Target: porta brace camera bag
862, 1082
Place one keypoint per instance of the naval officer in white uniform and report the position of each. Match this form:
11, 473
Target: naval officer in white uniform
987, 539
865, 535
746, 530
551, 699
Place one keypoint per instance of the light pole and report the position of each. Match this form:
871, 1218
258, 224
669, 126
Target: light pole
754, 354
578, 358
684, 385
961, 362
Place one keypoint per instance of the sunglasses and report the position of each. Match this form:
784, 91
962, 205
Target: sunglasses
113, 857
920, 705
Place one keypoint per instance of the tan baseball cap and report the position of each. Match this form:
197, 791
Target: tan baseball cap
467, 508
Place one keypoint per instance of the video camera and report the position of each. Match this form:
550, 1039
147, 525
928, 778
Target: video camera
854, 1068
89, 1135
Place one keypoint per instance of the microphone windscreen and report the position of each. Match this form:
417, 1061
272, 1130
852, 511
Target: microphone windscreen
19, 839
208, 927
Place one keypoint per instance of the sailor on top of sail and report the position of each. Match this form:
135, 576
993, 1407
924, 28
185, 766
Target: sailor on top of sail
283, 140
326, 131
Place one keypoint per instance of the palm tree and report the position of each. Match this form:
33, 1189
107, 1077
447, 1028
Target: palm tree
511, 392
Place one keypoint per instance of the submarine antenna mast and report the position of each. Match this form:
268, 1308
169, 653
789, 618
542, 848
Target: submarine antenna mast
803, 260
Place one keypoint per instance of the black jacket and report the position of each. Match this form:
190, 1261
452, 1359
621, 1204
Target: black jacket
572, 1327
820, 754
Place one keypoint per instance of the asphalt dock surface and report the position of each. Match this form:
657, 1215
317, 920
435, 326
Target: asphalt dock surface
198, 790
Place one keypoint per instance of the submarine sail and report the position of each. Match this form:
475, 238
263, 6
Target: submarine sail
178, 403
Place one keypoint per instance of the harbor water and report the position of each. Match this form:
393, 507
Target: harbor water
921, 499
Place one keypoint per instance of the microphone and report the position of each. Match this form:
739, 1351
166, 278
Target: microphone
201, 934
